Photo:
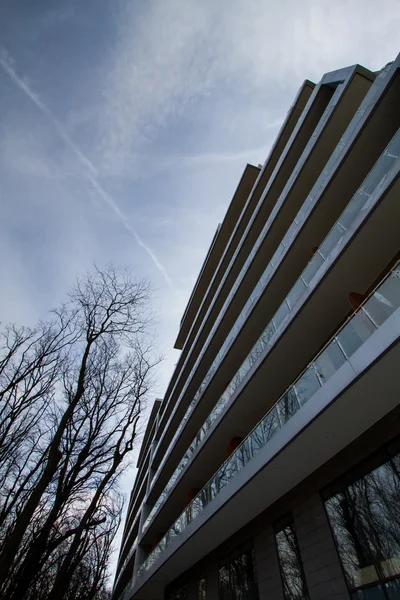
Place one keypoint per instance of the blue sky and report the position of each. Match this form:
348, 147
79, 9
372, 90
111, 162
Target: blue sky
125, 126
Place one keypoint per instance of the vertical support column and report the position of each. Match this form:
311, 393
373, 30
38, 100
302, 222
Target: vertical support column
325, 578
267, 565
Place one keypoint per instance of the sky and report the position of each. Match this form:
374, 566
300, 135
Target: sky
125, 126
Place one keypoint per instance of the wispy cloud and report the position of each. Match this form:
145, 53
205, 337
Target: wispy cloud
179, 52
88, 167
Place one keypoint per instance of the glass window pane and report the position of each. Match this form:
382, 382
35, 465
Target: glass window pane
307, 385
288, 405
381, 168
223, 581
312, 268
249, 577
370, 593
267, 334
280, 314
267, 274
293, 580
385, 300
296, 292
257, 439
244, 454
355, 333
278, 253
236, 579
332, 240
353, 550
270, 424
201, 589
365, 519
353, 209
392, 589
376, 497
329, 361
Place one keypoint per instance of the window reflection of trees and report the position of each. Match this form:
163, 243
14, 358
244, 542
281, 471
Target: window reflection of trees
365, 518
237, 578
293, 580
201, 589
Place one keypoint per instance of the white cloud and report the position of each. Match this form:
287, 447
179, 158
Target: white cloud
89, 169
177, 52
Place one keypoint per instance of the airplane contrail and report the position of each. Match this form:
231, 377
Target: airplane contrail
90, 170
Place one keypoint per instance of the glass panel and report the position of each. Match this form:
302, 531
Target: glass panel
365, 518
296, 292
355, 333
385, 300
312, 268
267, 334
371, 593
270, 424
280, 314
294, 584
244, 454
353, 209
288, 406
353, 547
278, 254
307, 385
376, 498
257, 439
236, 568
331, 241
392, 589
201, 589
381, 168
267, 274
223, 583
329, 361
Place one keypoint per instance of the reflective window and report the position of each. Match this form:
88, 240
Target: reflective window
237, 577
365, 519
180, 594
291, 567
201, 589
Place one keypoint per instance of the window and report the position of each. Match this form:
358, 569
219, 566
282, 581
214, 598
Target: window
237, 577
201, 589
365, 519
180, 594
291, 567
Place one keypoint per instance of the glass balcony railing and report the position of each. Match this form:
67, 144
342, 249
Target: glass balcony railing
285, 242
360, 203
350, 337
127, 559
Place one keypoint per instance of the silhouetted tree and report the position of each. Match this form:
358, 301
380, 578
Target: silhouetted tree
71, 395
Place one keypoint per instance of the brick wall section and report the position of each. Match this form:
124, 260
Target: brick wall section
325, 578
268, 575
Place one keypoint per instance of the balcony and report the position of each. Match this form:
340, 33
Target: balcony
331, 403
331, 124
357, 210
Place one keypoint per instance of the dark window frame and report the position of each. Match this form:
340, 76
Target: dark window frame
377, 459
279, 526
227, 562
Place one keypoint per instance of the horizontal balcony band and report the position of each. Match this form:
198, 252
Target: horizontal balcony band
342, 362
321, 182
294, 113
359, 206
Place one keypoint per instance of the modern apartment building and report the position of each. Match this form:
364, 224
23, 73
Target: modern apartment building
271, 469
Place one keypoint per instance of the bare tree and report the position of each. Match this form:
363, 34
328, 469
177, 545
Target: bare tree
74, 390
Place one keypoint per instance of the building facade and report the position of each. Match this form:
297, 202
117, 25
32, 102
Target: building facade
271, 469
